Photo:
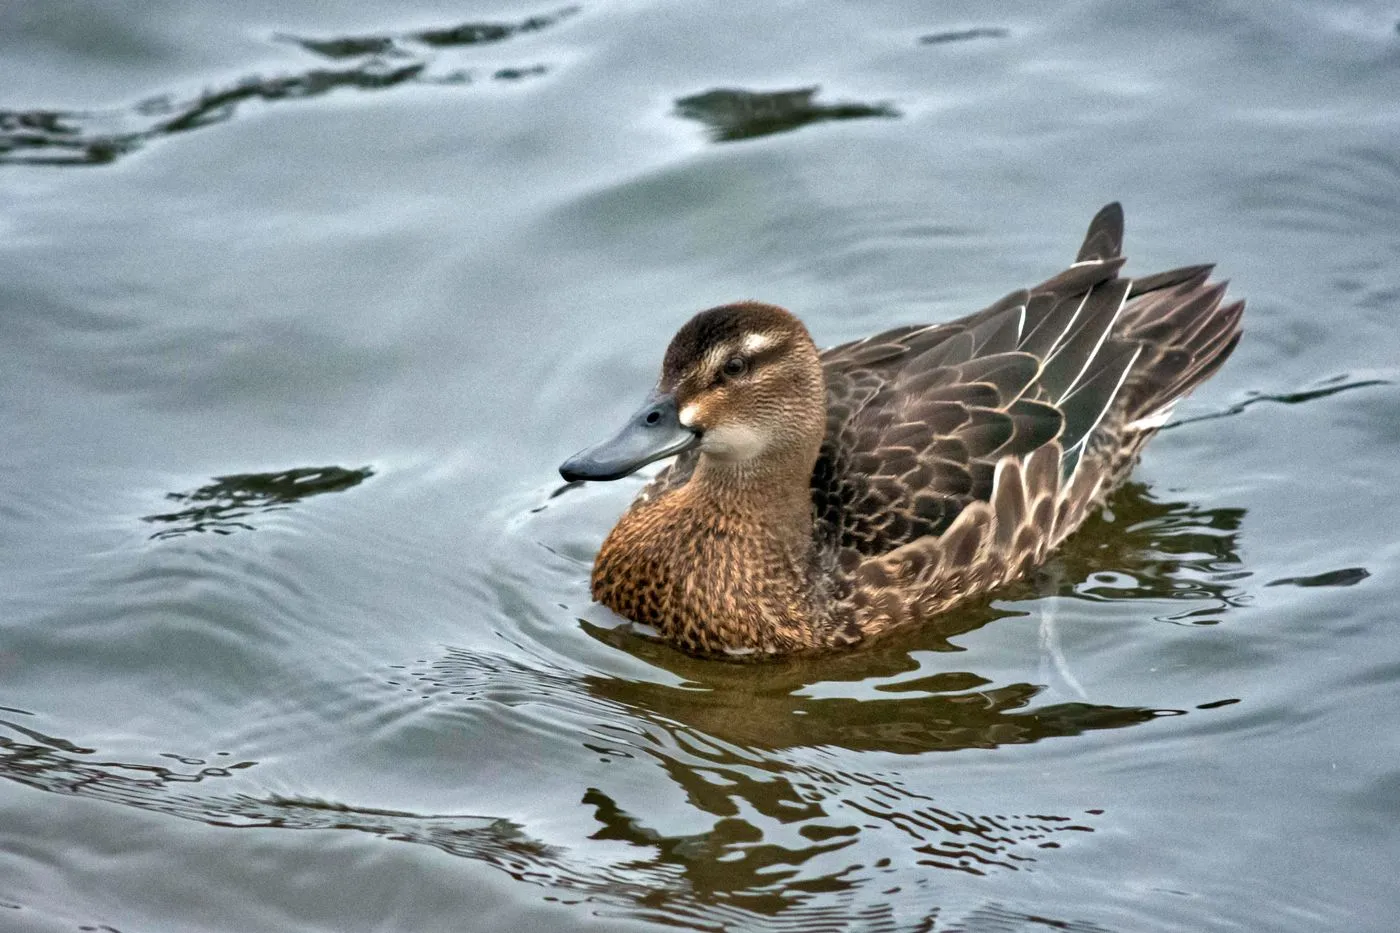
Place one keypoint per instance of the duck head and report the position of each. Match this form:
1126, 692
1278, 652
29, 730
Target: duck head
742, 383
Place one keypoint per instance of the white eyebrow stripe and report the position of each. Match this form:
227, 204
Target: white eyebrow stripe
754, 344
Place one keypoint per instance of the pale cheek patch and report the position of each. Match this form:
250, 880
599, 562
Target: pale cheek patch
687, 415
734, 442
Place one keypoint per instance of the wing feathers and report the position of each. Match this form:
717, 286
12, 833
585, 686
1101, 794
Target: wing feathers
1010, 373
1077, 351
994, 434
989, 543
1051, 323
1036, 423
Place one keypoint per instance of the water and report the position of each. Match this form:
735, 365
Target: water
299, 310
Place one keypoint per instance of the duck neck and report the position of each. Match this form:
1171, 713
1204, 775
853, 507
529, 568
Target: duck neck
771, 495
742, 561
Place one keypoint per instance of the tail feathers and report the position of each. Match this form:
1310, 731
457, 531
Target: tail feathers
1122, 351
1105, 237
1186, 334
1170, 279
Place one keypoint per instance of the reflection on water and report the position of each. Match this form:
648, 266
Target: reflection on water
387, 60
735, 871
58, 766
91, 137
733, 114
225, 505
1144, 550
949, 711
787, 828
96, 138
781, 833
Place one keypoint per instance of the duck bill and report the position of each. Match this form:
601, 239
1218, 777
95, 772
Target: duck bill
654, 432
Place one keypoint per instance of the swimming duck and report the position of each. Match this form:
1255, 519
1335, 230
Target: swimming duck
819, 498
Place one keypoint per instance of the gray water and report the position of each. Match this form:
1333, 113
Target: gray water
302, 304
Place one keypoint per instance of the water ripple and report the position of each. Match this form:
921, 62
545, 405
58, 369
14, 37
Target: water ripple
777, 854
388, 60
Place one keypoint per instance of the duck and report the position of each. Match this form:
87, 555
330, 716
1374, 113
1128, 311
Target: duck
819, 498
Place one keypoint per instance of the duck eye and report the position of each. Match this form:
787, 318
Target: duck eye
735, 366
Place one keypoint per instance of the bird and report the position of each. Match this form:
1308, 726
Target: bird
820, 498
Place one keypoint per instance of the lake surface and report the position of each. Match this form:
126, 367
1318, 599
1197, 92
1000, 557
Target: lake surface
301, 306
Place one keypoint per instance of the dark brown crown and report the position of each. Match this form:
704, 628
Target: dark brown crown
725, 325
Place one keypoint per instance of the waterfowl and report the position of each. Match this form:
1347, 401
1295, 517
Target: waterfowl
819, 498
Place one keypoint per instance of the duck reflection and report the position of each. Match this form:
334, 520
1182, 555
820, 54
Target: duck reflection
794, 781
727, 875
225, 505
756, 708
793, 810
801, 827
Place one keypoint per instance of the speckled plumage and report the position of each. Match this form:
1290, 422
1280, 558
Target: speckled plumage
903, 473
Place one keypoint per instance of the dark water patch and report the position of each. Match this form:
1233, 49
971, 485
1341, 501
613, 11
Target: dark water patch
935, 714
57, 765
733, 114
477, 33
400, 44
519, 74
1349, 576
99, 137
965, 35
225, 505
738, 743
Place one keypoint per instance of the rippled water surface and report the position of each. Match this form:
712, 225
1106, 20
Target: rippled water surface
301, 305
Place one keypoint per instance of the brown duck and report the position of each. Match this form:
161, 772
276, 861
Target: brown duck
819, 498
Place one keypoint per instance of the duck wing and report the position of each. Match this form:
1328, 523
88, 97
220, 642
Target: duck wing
921, 419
